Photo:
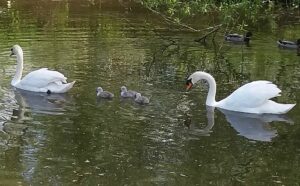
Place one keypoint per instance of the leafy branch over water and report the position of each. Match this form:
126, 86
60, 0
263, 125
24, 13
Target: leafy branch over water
237, 13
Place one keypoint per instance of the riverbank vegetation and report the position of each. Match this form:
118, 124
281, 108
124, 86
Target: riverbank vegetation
236, 13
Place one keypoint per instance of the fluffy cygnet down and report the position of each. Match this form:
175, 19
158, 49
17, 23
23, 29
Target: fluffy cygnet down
141, 99
127, 93
104, 94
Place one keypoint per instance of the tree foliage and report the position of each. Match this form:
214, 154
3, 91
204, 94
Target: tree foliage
237, 12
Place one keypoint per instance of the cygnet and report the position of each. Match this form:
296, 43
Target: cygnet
141, 99
127, 93
104, 94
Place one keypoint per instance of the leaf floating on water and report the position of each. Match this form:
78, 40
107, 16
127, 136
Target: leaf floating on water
87, 161
102, 174
148, 167
167, 140
183, 175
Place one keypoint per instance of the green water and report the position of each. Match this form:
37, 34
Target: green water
75, 139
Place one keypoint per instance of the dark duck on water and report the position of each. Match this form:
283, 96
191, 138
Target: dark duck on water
236, 38
289, 44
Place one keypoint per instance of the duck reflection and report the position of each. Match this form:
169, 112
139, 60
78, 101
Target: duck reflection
252, 126
53, 104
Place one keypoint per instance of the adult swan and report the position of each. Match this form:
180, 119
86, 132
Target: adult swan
42, 80
252, 97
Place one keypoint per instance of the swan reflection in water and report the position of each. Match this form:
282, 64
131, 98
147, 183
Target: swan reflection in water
29, 103
52, 104
252, 126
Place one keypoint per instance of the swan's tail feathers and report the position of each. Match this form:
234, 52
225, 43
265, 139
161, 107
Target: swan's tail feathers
271, 107
282, 108
63, 88
287, 107
68, 86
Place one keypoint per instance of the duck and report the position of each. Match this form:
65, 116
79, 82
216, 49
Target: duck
127, 93
253, 97
104, 94
239, 38
42, 80
289, 44
141, 99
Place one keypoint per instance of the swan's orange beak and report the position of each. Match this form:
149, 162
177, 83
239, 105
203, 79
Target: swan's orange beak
189, 84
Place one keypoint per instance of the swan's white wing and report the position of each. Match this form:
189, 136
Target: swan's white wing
252, 95
42, 78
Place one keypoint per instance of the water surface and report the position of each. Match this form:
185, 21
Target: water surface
76, 139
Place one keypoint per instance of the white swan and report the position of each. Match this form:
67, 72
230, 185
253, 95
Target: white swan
252, 97
42, 80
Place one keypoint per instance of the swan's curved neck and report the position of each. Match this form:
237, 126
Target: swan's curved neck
18, 75
210, 100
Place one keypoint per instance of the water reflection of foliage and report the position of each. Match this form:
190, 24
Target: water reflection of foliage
175, 58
